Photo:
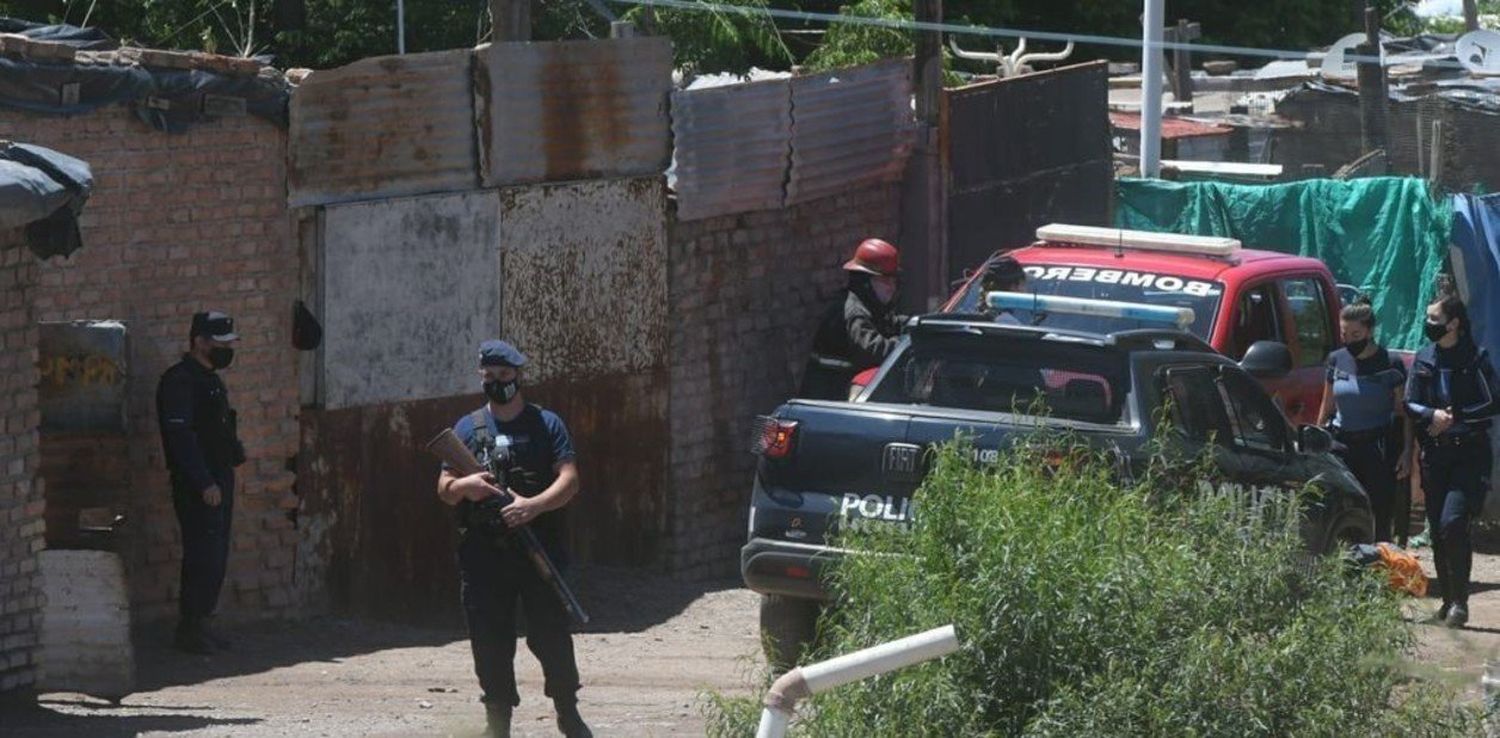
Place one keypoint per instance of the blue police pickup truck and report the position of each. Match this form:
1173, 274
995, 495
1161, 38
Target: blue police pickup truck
823, 464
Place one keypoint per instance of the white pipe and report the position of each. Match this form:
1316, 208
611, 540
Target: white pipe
1151, 38
971, 55
812, 679
400, 26
1030, 59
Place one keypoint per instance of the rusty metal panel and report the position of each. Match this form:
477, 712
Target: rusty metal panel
1023, 152
381, 127
571, 110
371, 510
849, 127
731, 148
585, 265
82, 367
410, 288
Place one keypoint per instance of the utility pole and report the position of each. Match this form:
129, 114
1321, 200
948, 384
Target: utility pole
400, 26
1151, 59
1471, 15
1372, 90
924, 202
511, 19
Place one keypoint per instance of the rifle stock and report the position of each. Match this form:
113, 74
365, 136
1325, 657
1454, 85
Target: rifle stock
451, 451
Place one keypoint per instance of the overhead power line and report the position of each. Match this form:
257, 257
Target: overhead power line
990, 31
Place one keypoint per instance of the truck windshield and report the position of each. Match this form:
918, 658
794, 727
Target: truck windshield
1111, 284
1009, 374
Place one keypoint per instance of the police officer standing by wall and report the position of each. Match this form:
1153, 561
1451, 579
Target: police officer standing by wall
1364, 397
1451, 396
859, 329
536, 453
202, 448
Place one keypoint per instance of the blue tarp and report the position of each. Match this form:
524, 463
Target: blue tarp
1476, 236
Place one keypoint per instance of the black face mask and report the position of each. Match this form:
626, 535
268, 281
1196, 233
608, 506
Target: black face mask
1358, 347
502, 392
221, 356
1435, 331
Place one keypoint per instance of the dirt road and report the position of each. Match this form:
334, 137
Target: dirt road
653, 647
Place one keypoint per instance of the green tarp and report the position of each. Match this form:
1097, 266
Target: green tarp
1386, 235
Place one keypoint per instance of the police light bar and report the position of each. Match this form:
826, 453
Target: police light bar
1137, 240
1182, 317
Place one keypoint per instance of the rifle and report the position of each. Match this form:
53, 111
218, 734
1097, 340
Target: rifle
457, 456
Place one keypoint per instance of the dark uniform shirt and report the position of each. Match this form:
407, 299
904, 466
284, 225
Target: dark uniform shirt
1460, 378
856, 333
1363, 389
533, 444
198, 427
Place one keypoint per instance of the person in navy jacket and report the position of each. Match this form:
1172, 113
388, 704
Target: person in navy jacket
1451, 396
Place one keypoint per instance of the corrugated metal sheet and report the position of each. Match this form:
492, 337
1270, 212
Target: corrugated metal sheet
572, 110
585, 291
850, 126
410, 288
1023, 152
732, 147
381, 127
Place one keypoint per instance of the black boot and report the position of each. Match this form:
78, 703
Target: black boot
497, 721
1458, 614
569, 722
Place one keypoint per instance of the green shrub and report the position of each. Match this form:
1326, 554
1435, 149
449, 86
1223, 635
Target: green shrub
1086, 607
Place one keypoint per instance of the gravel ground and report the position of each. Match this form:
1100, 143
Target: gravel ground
652, 649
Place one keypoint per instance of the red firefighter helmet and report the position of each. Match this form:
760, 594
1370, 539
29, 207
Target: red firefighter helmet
875, 256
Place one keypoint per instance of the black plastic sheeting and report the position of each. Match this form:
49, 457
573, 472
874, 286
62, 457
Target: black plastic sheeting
86, 39
166, 99
44, 191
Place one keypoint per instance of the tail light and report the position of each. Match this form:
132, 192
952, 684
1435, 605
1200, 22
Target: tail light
774, 437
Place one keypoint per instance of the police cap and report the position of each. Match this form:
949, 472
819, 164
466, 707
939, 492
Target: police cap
500, 353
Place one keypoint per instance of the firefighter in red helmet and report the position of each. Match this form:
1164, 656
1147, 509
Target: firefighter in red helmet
860, 328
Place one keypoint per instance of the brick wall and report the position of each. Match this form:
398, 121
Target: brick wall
179, 223
746, 294
21, 504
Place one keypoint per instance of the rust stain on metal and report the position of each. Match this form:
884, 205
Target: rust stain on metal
382, 127
585, 286
573, 110
390, 542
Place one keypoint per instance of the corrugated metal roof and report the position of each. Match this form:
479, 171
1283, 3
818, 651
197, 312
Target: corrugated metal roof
1171, 128
732, 147
570, 110
849, 126
382, 127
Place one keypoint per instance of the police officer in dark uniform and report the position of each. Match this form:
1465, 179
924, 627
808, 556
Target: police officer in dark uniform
1364, 397
202, 448
1003, 274
1451, 396
537, 454
861, 328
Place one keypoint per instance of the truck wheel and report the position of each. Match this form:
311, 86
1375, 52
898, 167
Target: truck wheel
787, 627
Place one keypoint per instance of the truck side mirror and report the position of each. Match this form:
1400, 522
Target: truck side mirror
1267, 360
1312, 439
